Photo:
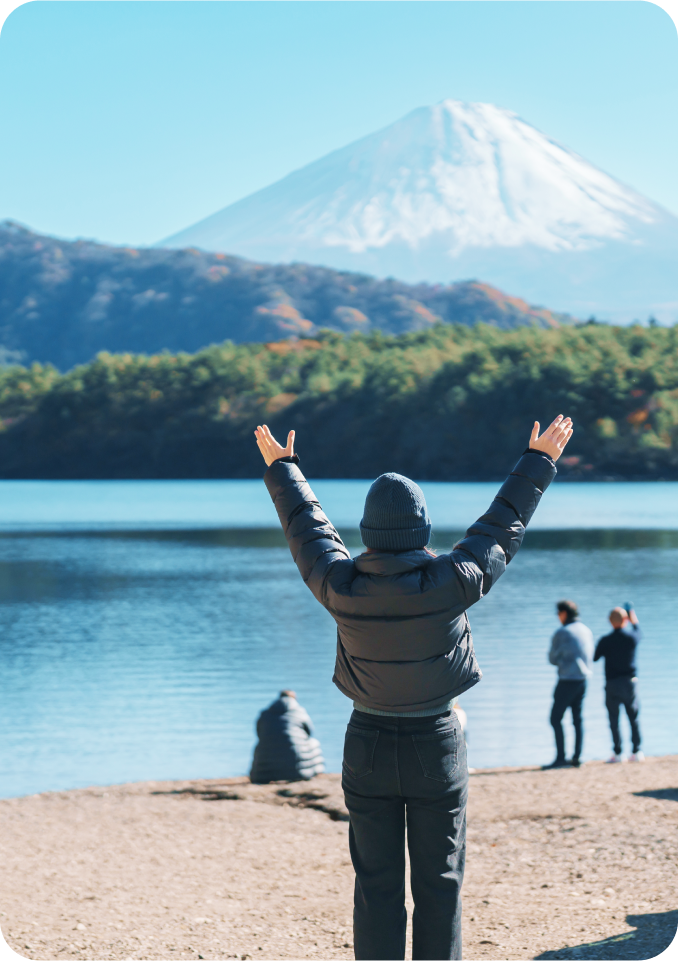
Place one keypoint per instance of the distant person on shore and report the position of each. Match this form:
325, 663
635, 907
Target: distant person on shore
621, 684
286, 750
572, 653
404, 653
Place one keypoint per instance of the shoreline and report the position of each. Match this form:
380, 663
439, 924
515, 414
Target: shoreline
570, 863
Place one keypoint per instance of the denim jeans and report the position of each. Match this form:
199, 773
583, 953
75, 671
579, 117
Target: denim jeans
568, 694
618, 691
409, 773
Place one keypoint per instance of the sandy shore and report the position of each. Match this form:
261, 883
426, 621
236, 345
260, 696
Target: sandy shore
562, 864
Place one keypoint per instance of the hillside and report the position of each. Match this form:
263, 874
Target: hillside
63, 302
465, 190
448, 403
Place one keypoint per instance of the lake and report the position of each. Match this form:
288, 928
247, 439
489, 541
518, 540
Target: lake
144, 624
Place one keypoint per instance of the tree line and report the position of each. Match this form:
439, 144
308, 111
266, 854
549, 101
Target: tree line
448, 403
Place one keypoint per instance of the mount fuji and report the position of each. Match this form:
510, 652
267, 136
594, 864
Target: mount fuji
458, 191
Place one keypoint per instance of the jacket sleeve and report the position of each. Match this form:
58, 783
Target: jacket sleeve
554, 653
493, 541
313, 541
600, 649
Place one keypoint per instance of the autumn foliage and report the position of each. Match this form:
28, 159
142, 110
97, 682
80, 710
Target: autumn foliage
448, 403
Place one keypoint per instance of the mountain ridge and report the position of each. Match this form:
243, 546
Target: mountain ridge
64, 301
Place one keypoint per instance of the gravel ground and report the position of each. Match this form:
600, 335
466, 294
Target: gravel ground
561, 864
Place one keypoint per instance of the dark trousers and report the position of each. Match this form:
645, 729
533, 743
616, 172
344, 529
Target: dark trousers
568, 694
406, 774
618, 691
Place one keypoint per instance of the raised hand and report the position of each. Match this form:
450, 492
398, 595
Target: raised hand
554, 438
270, 448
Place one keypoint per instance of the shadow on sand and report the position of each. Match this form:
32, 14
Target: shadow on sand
662, 794
653, 934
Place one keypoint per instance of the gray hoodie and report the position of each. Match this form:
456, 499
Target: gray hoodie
572, 651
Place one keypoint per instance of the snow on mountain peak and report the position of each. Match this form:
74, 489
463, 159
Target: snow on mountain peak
473, 171
465, 188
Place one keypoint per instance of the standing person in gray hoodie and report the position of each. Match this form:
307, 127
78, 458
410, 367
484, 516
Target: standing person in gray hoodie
572, 653
404, 652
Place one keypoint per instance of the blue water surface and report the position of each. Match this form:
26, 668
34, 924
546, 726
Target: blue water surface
143, 625
134, 504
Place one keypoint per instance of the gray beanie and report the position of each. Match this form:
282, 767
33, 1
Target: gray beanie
395, 516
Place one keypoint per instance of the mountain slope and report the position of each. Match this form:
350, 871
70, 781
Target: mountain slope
464, 190
63, 302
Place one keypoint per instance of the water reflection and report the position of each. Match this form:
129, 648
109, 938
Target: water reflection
442, 540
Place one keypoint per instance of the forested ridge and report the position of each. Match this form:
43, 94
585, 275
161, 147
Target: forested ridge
62, 302
448, 403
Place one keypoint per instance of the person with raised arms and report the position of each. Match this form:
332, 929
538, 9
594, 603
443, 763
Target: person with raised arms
619, 651
404, 653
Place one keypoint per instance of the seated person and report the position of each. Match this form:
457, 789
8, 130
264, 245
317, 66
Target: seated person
286, 751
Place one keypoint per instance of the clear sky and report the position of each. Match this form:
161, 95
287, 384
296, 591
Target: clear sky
128, 121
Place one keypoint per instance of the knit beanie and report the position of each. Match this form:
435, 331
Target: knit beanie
395, 516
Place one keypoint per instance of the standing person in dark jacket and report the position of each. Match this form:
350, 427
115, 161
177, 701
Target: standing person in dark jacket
572, 653
621, 684
404, 652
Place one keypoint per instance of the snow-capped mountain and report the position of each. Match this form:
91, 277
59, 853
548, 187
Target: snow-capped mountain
461, 191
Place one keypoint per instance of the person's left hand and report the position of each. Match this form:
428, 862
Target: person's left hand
554, 438
270, 448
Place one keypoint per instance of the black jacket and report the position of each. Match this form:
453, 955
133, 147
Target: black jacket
619, 650
286, 751
403, 637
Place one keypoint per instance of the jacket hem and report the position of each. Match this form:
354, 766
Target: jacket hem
417, 706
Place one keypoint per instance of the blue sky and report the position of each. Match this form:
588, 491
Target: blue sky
127, 121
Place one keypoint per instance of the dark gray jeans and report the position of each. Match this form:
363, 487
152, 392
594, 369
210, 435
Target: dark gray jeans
618, 691
412, 772
568, 694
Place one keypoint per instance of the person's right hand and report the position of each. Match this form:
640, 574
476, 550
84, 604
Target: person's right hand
554, 438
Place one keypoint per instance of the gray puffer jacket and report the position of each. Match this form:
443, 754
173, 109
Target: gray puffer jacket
286, 750
403, 637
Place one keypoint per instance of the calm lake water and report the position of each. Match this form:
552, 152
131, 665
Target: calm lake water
145, 624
